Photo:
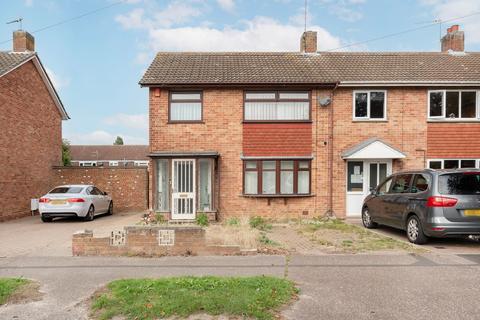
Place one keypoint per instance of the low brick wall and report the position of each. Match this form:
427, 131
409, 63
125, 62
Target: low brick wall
148, 241
128, 187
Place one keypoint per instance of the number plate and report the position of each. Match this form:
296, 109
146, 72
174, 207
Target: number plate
470, 212
58, 202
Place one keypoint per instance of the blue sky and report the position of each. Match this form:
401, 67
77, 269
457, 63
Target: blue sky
96, 61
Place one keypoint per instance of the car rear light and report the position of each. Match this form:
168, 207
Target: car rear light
441, 202
76, 200
43, 200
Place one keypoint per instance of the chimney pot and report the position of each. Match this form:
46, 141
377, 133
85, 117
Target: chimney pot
23, 41
454, 40
308, 42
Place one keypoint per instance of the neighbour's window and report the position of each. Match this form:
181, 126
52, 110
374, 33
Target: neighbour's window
185, 107
453, 163
369, 105
355, 176
163, 199
277, 177
277, 106
420, 183
88, 163
140, 163
401, 183
452, 104
113, 163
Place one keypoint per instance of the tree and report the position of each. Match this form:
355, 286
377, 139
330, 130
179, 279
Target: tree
118, 141
66, 156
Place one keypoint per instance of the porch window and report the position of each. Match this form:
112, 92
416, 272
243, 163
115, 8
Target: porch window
453, 104
205, 185
355, 176
163, 193
277, 106
369, 105
185, 107
276, 177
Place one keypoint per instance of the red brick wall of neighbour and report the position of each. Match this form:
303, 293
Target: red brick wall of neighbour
30, 140
286, 139
453, 140
126, 186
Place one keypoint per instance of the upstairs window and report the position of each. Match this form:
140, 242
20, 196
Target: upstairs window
277, 106
185, 107
369, 105
453, 104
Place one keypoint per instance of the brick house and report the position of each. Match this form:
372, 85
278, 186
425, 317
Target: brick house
31, 121
109, 155
288, 134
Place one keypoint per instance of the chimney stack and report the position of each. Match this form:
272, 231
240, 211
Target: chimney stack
23, 41
454, 40
308, 42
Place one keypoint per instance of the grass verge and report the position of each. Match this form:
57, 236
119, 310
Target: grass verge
16, 289
256, 297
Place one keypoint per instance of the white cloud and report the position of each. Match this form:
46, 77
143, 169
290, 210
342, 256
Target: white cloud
227, 5
134, 19
448, 9
104, 137
134, 121
28, 3
58, 81
346, 10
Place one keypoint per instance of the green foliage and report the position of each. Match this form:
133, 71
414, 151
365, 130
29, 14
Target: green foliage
159, 218
66, 156
263, 239
233, 222
202, 220
8, 286
259, 223
252, 297
118, 141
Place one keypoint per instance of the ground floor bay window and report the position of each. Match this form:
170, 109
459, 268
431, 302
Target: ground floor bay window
289, 177
184, 187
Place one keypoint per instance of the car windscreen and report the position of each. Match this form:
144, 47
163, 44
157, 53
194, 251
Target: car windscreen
459, 183
67, 190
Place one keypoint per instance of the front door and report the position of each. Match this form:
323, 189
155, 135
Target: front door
183, 189
362, 176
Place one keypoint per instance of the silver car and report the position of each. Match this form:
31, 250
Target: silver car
84, 201
427, 203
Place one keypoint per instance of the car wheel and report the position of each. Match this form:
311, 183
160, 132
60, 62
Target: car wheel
367, 219
110, 208
90, 213
415, 231
45, 219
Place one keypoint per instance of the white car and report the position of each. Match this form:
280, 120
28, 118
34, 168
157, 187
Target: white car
78, 200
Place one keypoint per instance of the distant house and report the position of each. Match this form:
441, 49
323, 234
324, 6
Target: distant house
31, 115
109, 155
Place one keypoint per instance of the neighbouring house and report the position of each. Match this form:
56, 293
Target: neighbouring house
31, 115
109, 155
306, 133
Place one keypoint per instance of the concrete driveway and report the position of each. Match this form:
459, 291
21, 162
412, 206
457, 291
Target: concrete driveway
31, 237
447, 245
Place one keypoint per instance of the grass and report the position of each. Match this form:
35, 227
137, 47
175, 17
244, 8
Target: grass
9, 286
256, 297
344, 237
257, 222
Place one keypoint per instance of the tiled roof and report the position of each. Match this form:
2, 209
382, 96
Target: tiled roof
9, 60
231, 68
108, 152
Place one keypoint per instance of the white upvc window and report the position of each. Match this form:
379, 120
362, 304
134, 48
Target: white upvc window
113, 163
453, 105
370, 105
140, 163
453, 163
87, 163
277, 106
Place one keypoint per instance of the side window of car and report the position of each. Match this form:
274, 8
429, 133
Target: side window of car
89, 190
401, 183
420, 183
97, 191
384, 187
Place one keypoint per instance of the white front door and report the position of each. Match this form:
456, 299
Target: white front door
362, 176
183, 192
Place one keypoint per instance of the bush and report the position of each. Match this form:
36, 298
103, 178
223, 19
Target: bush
259, 223
202, 220
234, 222
159, 218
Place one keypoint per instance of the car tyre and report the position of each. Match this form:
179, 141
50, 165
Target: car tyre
415, 231
45, 219
90, 214
367, 219
110, 209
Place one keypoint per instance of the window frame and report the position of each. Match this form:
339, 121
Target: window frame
277, 99
368, 118
90, 163
170, 100
141, 163
444, 117
442, 162
277, 170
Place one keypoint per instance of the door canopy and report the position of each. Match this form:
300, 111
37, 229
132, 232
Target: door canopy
373, 148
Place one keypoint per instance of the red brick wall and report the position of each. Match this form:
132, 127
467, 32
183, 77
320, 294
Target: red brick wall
126, 186
285, 139
30, 140
453, 140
